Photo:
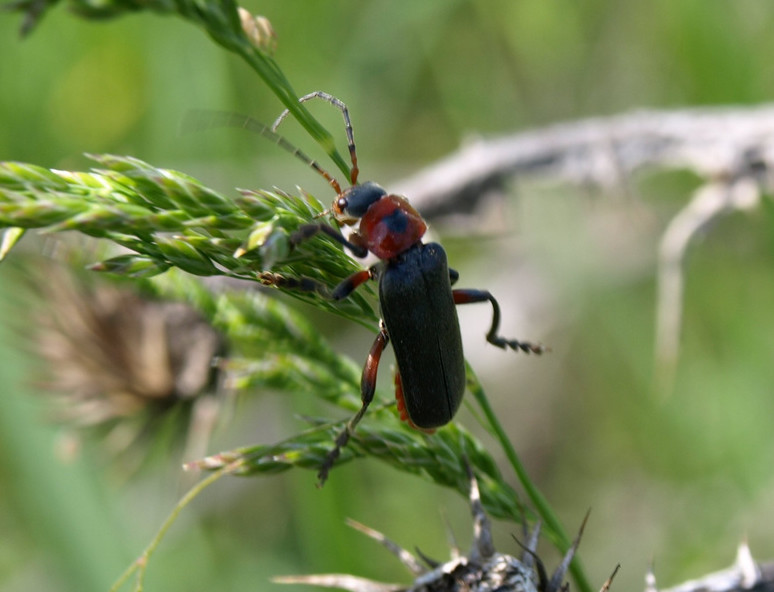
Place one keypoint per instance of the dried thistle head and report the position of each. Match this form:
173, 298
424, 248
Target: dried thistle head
483, 569
115, 359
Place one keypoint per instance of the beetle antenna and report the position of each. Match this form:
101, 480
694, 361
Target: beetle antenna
204, 119
341, 106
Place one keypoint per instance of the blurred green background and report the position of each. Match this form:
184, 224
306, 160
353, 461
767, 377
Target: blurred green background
677, 479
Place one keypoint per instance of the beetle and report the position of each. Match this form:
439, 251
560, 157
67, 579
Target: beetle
416, 298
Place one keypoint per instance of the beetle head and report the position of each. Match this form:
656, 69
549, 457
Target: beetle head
354, 201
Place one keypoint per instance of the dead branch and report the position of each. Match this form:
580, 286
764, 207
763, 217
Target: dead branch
731, 148
715, 143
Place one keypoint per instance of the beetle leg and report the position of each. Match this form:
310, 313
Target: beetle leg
367, 389
349, 285
344, 289
401, 399
307, 231
471, 296
401, 404
303, 284
454, 275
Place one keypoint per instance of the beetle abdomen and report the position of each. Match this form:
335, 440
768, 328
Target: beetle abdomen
421, 319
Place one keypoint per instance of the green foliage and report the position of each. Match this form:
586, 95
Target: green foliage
221, 21
688, 476
171, 220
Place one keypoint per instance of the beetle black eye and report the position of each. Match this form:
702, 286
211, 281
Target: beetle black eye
342, 203
360, 197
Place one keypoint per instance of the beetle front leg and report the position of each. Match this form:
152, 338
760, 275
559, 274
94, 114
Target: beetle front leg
307, 231
367, 389
472, 296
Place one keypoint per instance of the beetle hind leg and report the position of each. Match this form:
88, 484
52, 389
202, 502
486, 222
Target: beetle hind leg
401, 404
472, 296
401, 400
367, 389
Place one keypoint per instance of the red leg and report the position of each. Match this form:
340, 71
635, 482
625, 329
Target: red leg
367, 389
402, 411
401, 401
304, 284
471, 296
349, 285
